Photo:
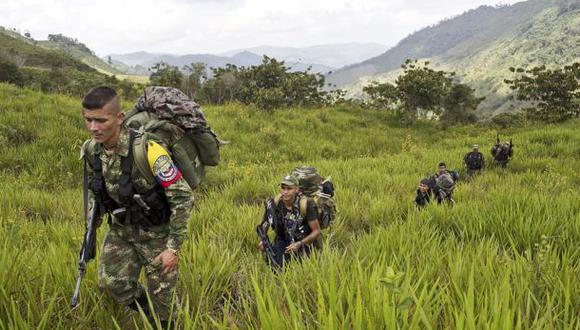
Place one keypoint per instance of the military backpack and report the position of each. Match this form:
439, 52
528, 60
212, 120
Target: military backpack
321, 190
169, 115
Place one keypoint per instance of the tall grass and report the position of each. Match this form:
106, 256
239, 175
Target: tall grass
507, 256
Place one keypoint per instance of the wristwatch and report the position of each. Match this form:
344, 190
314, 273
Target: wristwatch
174, 251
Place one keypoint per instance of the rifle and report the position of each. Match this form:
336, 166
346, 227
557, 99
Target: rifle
269, 253
89, 247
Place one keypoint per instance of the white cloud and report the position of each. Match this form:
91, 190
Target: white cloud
196, 26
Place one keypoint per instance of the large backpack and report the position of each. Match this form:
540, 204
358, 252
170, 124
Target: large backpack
321, 190
445, 181
169, 115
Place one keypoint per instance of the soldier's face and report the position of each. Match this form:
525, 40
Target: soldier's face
423, 188
288, 193
442, 169
105, 123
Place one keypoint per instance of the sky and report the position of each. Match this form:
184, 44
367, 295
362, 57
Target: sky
214, 26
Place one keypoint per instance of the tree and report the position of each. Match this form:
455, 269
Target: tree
194, 81
555, 94
269, 85
422, 89
382, 95
9, 73
163, 74
460, 104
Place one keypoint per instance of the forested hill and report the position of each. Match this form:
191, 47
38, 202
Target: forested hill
482, 44
20, 48
31, 63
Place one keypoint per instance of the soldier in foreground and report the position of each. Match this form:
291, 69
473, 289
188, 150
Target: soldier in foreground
294, 220
474, 161
147, 220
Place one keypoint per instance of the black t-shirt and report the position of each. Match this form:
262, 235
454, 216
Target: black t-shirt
292, 216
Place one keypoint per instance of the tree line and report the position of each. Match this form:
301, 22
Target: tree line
551, 95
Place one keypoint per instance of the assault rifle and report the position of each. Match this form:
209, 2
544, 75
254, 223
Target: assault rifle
268, 220
89, 247
269, 253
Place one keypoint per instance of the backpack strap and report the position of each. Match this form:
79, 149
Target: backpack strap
303, 205
140, 156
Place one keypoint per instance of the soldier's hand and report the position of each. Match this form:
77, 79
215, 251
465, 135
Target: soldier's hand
169, 261
294, 247
261, 246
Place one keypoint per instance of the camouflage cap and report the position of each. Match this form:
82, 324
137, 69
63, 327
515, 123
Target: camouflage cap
289, 181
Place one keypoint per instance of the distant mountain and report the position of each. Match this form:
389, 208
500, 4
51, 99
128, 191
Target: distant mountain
130, 61
329, 56
147, 60
480, 46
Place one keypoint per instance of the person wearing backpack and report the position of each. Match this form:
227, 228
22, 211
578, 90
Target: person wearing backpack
444, 184
295, 230
147, 220
502, 152
474, 161
321, 190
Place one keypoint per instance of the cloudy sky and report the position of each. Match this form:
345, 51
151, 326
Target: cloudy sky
213, 26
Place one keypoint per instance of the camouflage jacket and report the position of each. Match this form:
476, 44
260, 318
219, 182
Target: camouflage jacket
179, 194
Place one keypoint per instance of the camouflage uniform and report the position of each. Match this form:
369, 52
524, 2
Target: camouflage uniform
128, 248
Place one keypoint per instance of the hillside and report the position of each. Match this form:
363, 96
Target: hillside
481, 45
71, 47
52, 70
505, 257
79, 51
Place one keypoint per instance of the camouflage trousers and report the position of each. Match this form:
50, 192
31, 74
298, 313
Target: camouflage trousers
126, 251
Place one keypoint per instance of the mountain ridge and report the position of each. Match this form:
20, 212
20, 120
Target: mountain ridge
480, 46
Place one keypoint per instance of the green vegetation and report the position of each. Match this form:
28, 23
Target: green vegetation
480, 46
555, 93
420, 90
25, 63
268, 86
79, 51
506, 256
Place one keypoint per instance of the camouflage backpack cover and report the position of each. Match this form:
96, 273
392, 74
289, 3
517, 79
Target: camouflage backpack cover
169, 115
321, 190
445, 182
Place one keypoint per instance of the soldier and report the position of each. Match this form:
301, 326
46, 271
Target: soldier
294, 219
423, 194
147, 219
502, 152
474, 161
444, 185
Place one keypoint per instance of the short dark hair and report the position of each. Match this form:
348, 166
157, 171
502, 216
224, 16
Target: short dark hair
98, 97
442, 164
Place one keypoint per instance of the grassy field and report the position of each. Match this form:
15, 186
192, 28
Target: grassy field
507, 256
